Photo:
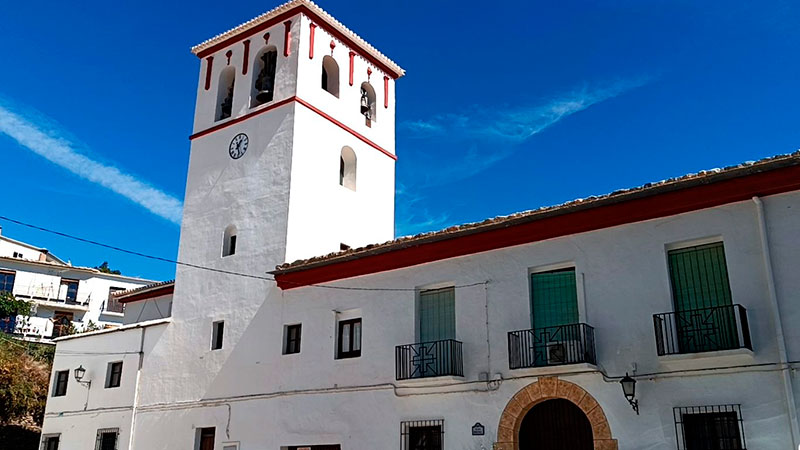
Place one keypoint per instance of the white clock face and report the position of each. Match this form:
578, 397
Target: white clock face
238, 146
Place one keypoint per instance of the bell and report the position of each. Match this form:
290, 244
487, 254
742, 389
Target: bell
365, 109
264, 95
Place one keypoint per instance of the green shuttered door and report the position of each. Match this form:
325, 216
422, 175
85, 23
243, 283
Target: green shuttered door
554, 298
437, 315
699, 278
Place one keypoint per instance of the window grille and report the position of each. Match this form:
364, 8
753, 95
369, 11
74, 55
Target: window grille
50, 441
717, 427
422, 435
107, 439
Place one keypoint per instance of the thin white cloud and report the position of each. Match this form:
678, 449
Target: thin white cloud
491, 134
412, 216
38, 139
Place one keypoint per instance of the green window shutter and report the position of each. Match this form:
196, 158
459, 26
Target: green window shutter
699, 277
554, 298
437, 315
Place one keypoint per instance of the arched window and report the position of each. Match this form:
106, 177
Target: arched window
330, 75
225, 93
229, 241
264, 76
347, 168
368, 108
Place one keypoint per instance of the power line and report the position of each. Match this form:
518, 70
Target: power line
212, 269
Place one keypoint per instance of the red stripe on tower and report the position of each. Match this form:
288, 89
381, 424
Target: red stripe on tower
312, 27
352, 55
287, 37
385, 91
209, 63
246, 57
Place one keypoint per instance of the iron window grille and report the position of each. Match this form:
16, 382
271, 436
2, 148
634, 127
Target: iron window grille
50, 441
717, 427
349, 339
107, 439
422, 435
292, 345
114, 374
60, 385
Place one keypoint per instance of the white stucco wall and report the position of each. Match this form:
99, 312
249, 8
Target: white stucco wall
148, 309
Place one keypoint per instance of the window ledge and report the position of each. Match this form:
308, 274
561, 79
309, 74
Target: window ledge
432, 381
557, 370
112, 314
700, 360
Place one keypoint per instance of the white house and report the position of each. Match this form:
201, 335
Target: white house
512, 333
63, 295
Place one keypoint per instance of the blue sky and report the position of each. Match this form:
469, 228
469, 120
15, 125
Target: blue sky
506, 107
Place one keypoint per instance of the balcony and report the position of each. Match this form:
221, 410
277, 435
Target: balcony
551, 346
429, 359
702, 330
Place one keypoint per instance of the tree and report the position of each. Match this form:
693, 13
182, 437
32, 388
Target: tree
24, 376
104, 268
12, 306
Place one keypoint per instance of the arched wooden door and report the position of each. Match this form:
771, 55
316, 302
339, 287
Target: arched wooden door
555, 424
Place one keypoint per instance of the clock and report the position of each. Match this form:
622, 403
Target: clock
238, 146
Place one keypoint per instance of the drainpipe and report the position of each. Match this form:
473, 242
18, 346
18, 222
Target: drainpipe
776, 317
136, 390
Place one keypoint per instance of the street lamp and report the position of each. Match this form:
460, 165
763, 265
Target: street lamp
79, 373
629, 389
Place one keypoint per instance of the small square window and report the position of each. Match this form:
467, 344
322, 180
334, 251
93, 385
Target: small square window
60, 383
218, 329
292, 343
50, 441
114, 374
205, 438
107, 439
422, 435
349, 339
717, 427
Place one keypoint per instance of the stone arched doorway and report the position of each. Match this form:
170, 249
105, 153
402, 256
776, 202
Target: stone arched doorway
552, 388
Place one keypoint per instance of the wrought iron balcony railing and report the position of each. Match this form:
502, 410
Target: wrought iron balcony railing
551, 346
429, 359
702, 330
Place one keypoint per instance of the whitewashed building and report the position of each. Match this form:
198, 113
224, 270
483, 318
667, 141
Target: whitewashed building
64, 296
513, 333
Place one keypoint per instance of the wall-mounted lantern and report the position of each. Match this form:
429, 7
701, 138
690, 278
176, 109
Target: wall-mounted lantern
629, 389
79, 374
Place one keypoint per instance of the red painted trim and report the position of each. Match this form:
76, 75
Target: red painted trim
287, 37
352, 55
281, 17
346, 128
385, 92
311, 27
160, 292
246, 57
655, 205
209, 63
241, 118
307, 105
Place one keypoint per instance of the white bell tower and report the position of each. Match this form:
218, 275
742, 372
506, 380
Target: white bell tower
293, 150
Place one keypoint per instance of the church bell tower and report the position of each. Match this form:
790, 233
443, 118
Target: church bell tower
293, 147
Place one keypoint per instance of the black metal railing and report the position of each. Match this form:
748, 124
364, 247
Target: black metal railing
551, 346
702, 330
429, 359
713, 426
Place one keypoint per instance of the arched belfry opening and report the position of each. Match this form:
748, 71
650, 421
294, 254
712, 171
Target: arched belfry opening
553, 414
555, 424
347, 168
367, 108
266, 64
330, 76
225, 93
